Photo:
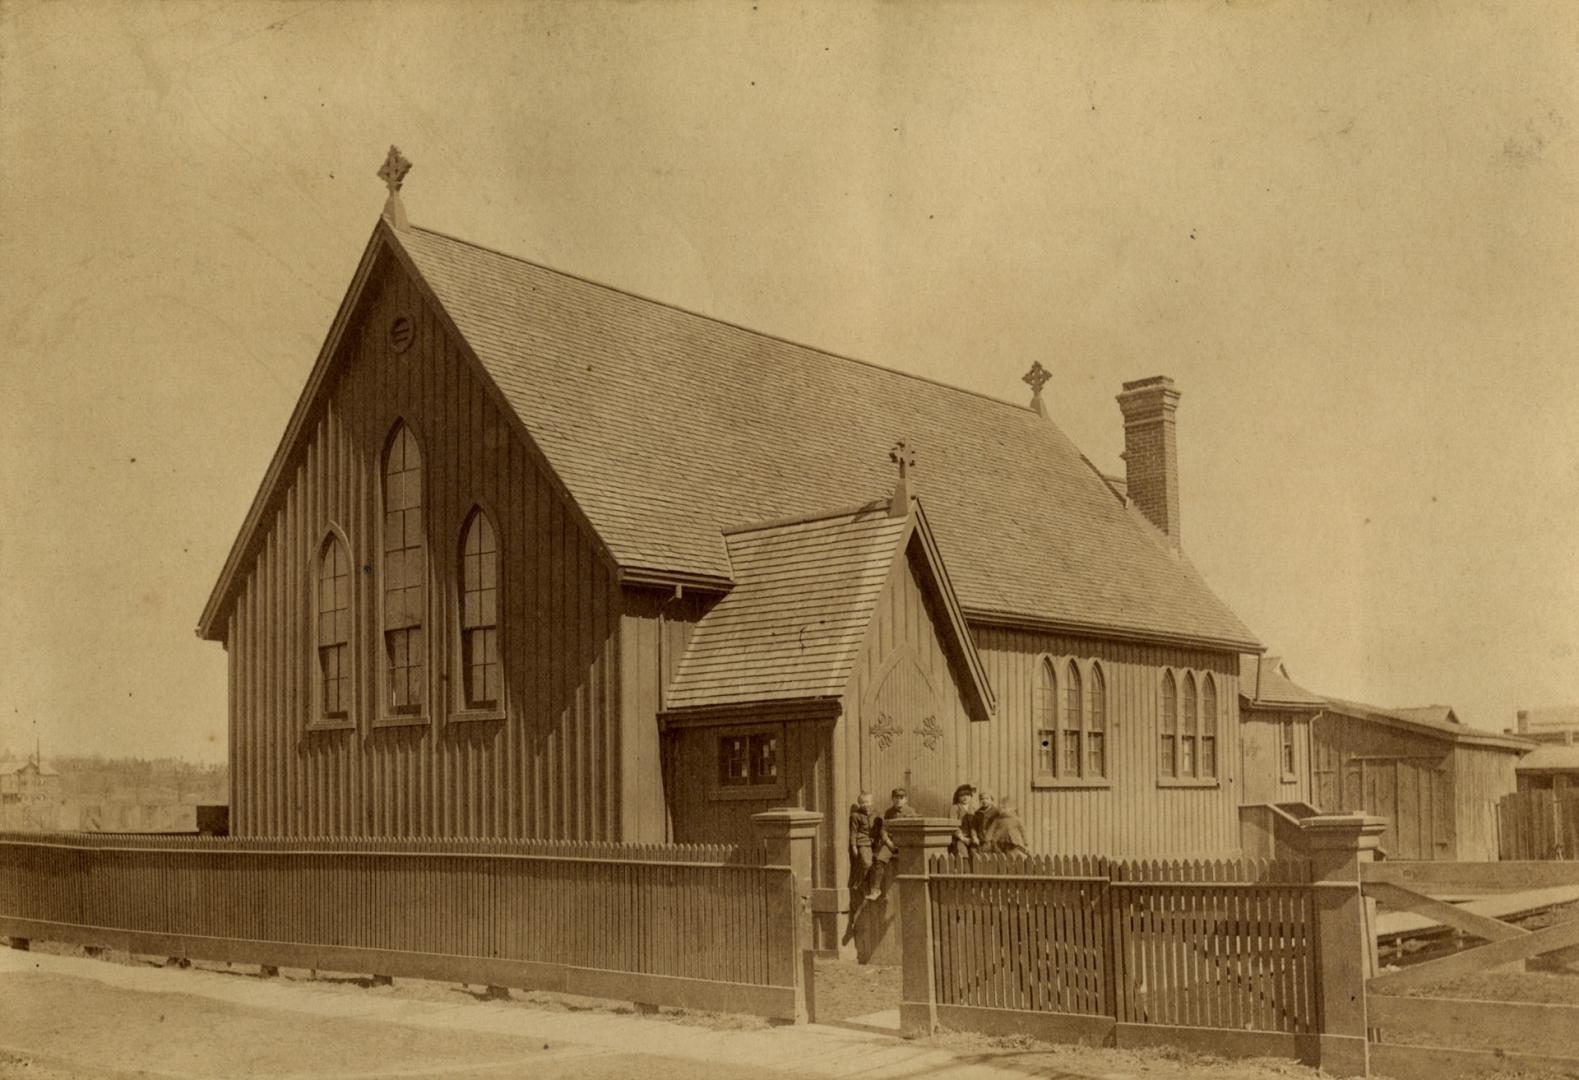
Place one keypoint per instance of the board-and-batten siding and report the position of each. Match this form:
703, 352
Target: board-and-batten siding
1261, 757
550, 768
903, 622
1484, 776
655, 628
1133, 817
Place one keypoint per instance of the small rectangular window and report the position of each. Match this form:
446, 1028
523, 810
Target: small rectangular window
748, 760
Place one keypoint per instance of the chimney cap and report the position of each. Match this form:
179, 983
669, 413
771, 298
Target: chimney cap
1159, 381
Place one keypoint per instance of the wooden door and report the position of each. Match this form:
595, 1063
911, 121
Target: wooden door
1325, 787
907, 740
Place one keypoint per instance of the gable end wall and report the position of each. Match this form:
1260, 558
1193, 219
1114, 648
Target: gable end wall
550, 767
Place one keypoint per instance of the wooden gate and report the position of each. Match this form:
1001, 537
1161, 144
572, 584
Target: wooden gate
908, 743
1434, 1038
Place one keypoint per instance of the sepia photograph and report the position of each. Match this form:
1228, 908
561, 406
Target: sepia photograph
789, 540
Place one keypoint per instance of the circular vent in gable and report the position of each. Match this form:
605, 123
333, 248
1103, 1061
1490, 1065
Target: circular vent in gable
400, 334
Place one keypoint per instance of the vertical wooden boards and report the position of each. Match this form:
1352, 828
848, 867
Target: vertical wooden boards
1132, 816
546, 766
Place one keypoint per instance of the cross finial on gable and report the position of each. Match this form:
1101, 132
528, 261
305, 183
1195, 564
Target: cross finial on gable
393, 174
1037, 378
903, 455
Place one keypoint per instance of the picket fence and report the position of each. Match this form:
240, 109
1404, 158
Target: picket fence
699, 926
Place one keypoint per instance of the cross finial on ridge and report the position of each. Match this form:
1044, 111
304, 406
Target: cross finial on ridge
1037, 378
903, 455
393, 173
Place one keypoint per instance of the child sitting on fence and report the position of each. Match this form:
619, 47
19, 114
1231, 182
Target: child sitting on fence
964, 815
864, 826
999, 828
884, 848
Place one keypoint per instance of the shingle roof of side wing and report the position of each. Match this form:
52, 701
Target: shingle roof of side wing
668, 427
792, 625
1263, 681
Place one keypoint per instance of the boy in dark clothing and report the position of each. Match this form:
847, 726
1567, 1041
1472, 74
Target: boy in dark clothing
884, 849
864, 827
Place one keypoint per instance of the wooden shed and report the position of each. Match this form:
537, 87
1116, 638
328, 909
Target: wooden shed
1436, 780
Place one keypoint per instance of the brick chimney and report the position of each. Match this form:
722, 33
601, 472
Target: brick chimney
1151, 454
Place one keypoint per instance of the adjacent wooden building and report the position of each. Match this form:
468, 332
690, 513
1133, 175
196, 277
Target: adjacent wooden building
536, 557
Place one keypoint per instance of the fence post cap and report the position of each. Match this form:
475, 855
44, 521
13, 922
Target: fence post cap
1348, 831
789, 821
922, 831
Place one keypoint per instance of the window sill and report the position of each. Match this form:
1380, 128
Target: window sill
472, 716
757, 791
1189, 782
331, 725
400, 721
1288, 778
1076, 783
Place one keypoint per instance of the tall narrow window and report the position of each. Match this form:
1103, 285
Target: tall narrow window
1208, 725
1073, 716
1170, 726
1288, 749
480, 612
1188, 728
1045, 709
334, 630
1096, 733
405, 574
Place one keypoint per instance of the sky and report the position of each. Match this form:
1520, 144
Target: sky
1348, 231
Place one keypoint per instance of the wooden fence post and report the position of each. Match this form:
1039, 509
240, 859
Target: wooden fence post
918, 840
1338, 844
788, 836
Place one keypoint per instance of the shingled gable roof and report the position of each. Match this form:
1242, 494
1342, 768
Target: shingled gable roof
666, 428
804, 598
1264, 684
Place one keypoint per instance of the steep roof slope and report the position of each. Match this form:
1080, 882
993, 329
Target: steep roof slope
792, 625
669, 428
1264, 683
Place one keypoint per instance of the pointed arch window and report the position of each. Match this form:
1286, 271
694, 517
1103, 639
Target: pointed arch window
1168, 750
1069, 749
1096, 725
405, 575
1208, 757
1189, 722
479, 578
1045, 710
334, 629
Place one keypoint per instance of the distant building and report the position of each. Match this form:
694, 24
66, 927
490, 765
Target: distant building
1555, 724
30, 796
1554, 764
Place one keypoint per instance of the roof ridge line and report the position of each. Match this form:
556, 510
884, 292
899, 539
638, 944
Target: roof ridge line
726, 322
803, 519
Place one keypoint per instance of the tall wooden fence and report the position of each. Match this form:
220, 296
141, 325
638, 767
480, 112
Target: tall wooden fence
1538, 825
699, 926
1223, 945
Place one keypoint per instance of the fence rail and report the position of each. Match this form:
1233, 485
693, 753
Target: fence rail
703, 926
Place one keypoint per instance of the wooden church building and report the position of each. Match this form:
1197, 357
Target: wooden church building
536, 557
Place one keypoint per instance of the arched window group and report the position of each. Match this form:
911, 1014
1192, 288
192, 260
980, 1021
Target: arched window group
403, 594
1070, 726
1187, 728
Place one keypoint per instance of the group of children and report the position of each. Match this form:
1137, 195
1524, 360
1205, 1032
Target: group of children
980, 824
